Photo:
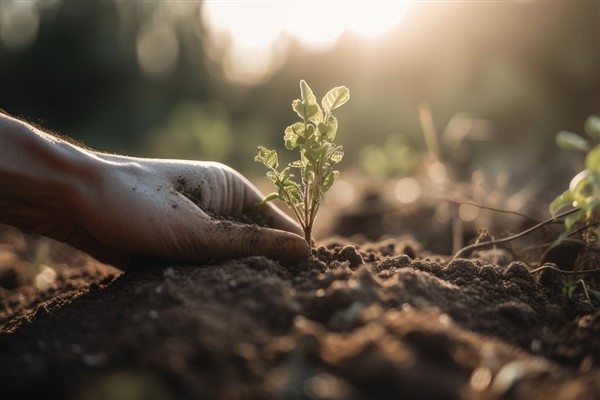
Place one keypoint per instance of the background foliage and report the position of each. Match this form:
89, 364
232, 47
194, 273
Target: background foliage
500, 78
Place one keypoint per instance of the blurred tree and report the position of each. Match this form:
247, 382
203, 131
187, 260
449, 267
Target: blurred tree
81, 76
110, 72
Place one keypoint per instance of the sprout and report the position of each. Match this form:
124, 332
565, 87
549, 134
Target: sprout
302, 183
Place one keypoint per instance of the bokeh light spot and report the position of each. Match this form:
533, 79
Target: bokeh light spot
468, 212
407, 190
438, 172
19, 23
157, 49
341, 194
248, 36
481, 378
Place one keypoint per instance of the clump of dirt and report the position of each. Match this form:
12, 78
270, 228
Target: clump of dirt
249, 217
193, 193
369, 321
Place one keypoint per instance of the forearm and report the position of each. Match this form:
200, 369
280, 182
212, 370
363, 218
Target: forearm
41, 176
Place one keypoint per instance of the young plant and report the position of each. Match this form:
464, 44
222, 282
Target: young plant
584, 189
313, 136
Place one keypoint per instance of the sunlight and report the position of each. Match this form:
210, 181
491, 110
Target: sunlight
249, 37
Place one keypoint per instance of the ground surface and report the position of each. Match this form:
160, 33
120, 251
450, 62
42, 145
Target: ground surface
358, 321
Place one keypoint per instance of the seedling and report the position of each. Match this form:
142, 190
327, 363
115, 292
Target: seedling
583, 195
584, 189
313, 137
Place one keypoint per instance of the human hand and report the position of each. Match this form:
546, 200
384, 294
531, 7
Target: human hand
178, 211
134, 212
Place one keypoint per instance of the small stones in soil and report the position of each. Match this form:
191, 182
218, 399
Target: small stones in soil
518, 269
349, 253
488, 273
393, 262
461, 267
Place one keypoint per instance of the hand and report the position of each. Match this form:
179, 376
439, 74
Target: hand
128, 211
178, 210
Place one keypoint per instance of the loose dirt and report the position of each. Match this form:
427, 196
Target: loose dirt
372, 320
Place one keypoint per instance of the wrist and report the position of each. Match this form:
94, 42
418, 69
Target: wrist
40, 175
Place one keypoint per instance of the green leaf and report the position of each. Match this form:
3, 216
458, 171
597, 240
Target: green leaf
308, 96
337, 154
298, 128
290, 182
571, 219
309, 134
309, 154
308, 108
323, 150
260, 156
592, 160
592, 126
294, 135
571, 141
564, 200
270, 197
308, 175
308, 112
273, 176
579, 181
293, 192
329, 179
267, 157
332, 123
285, 175
335, 98
296, 164
323, 128
290, 138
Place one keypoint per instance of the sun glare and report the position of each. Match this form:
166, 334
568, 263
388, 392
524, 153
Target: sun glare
249, 37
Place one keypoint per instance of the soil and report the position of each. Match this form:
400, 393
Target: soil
368, 320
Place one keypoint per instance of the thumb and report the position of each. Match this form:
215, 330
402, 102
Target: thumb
278, 219
231, 240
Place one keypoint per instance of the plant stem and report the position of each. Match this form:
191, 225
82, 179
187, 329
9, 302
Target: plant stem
513, 237
308, 234
553, 267
489, 208
566, 235
296, 213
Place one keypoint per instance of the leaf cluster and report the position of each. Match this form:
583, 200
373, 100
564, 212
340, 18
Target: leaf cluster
584, 188
302, 183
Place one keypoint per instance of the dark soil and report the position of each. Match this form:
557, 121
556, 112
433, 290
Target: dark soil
358, 321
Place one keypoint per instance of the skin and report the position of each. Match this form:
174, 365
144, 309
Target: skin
131, 212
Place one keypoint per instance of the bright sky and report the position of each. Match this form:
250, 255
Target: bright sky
249, 36
250, 39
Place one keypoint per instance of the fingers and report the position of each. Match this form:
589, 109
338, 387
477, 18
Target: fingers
278, 219
275, 218
221, 190
231, 240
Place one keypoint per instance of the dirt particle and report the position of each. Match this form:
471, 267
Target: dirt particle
518, 269
488, 273
387, 249
393, 262
349, 253
323, 254
461, 268
410, 251
517, 312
